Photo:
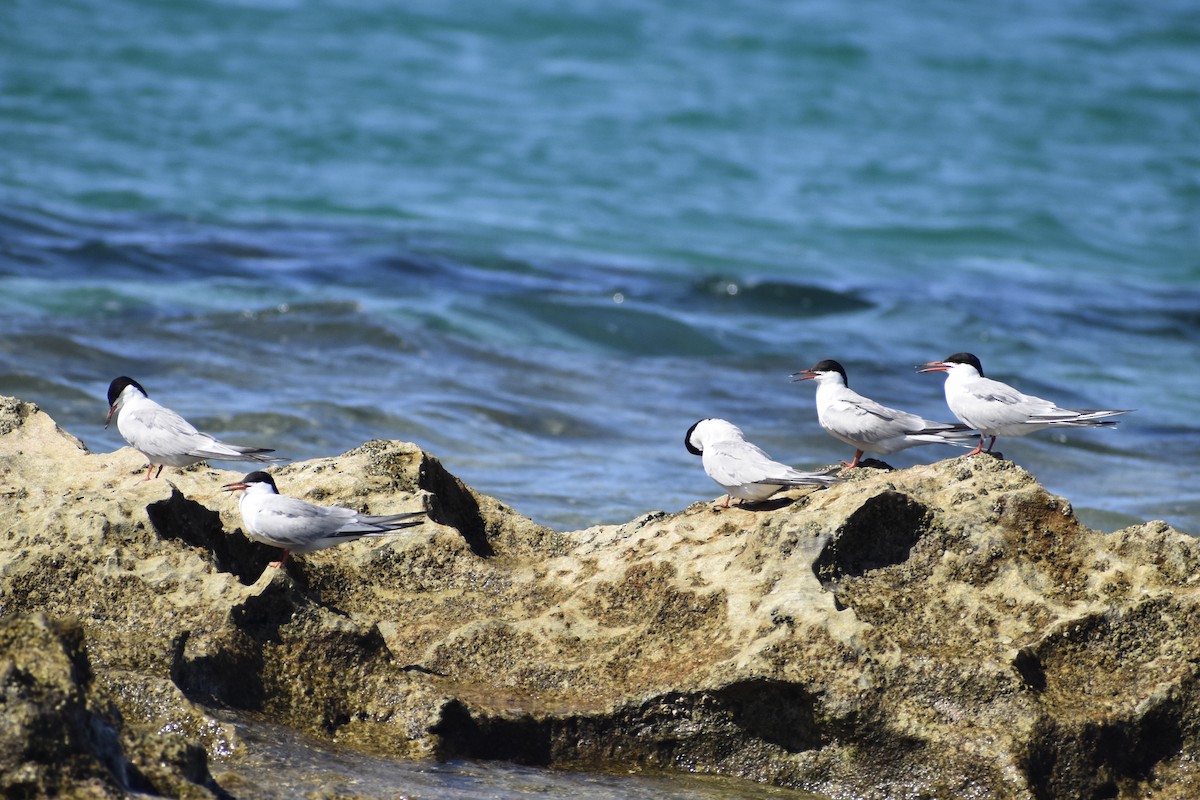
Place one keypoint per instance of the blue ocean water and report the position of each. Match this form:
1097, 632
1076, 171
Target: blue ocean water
543, 241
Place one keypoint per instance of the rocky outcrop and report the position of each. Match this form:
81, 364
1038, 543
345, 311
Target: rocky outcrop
54, 740
947, 630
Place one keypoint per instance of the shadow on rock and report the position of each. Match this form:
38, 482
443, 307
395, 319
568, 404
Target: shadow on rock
227, 671
724, 724
453, 504
881, 532
770, 504
188, 521
53, 742
521, 739
1073, 750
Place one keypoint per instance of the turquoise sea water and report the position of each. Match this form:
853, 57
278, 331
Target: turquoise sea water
542, 241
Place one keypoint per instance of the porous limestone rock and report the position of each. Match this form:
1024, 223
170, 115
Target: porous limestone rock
948, 630
58, 739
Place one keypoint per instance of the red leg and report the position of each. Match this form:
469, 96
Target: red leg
727, 499
990, 446
149, 469
283, 560
978, 448
857, 455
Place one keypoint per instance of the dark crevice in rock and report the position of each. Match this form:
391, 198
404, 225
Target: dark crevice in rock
262, 615
1093, 760
1029, 667
227, 675
1104, 659
461, 734
453, 504
724, 725
879, 533
285, 657
228, 672
55, 743
777, 712
181, 519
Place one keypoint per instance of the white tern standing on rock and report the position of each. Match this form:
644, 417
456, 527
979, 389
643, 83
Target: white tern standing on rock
164, 437
300, 527
743, 470
868, 426
997, 409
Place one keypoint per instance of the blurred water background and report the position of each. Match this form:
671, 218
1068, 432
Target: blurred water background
541, 240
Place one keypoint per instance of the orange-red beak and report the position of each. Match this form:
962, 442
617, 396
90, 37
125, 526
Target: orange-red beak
933, 366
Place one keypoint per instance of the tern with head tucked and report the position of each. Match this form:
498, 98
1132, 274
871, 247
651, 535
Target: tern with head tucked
164, 437
997, 409
300, 527
743, 470
868, 426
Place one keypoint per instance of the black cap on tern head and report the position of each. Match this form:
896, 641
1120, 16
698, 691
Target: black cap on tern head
687, 440
966, 358
829, 365
261, 477
119, 384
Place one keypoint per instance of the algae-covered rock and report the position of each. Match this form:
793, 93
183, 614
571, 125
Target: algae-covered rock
948, 630
50, 741
57, 740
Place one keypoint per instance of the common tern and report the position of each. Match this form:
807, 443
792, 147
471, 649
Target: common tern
164, 437
868, 426
300, 527
742, 469
997, 409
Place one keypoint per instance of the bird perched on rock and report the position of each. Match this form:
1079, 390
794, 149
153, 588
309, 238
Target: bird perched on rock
164, 437
742, 469
997, 409
868, 426
300, 527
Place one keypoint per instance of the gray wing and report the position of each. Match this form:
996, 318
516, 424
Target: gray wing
159, 431
988, 404
217, 450
156, 430
293, 522
364, 525
1007, 406
865, 420
734, 463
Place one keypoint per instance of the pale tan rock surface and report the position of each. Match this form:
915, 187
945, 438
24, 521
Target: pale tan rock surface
948, 630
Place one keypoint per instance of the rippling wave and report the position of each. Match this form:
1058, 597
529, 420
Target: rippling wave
542, 243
